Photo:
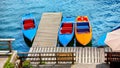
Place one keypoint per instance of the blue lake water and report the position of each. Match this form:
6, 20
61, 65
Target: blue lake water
103, 15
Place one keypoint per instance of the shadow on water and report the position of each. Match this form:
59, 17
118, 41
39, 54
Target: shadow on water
19, 43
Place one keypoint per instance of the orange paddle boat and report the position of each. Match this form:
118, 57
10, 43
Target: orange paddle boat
83, 30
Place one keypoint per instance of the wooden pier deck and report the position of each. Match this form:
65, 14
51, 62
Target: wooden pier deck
84, 55
48, 30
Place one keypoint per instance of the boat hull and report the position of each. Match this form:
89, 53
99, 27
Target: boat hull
83, 37
27, 41
65, 39
30, 33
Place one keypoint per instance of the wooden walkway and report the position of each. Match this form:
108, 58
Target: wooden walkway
48, 30
84, 55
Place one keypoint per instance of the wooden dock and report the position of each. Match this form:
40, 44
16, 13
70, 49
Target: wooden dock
84, 55
47, 32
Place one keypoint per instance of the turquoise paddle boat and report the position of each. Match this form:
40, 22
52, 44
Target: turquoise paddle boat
66, 31
29, 28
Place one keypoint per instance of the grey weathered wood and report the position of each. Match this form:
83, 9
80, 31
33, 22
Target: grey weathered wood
48, 30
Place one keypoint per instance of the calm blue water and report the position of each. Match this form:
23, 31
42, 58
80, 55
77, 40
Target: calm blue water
103, 15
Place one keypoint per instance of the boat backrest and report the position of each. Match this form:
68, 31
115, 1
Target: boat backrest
66, 30
28, 23
83, 30
67, 25
82, 23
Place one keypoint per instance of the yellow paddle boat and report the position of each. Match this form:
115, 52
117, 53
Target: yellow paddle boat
83, 30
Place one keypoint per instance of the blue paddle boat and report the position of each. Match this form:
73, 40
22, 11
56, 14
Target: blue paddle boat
66, 31
29, 28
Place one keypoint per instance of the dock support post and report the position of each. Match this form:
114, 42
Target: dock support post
9, 45
74, 42
58, 45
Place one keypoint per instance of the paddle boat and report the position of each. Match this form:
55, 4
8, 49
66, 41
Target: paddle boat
66, 31
83, 30
29, 28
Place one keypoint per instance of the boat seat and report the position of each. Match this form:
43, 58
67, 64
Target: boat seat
82, 18
83, 30
82, 27
85, 19
29, 23
79, 19
66, 30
